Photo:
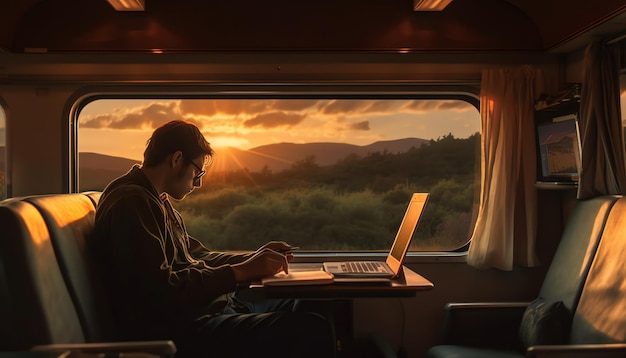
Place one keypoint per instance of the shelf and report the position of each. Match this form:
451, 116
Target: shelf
556, 185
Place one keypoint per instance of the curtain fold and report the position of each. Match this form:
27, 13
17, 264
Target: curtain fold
505, 231
600, 124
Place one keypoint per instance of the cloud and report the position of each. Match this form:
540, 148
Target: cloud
362, 107
295, 104
360, 126
150, 116
240, 117
237, 107
98, 121
384, 106
229, 107
437, 105
345, 106
274, 119
199, 107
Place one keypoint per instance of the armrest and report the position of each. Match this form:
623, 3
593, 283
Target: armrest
483, 324
139, 349
578, 351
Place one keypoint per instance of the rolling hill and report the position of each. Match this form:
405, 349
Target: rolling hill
97, 170
281, 156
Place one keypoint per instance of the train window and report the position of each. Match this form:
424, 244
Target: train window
3, 156
322, 174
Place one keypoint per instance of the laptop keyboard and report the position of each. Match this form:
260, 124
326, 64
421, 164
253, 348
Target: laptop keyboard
361, 267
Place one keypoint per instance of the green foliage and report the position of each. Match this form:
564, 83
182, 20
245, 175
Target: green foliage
356, 204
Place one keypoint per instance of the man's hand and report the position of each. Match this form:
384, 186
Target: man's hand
276, 246
280, 247
264, 262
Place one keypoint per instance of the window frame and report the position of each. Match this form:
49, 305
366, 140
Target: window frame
464, 92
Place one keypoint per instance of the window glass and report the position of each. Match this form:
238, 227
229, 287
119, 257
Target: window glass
327, 174
3, 156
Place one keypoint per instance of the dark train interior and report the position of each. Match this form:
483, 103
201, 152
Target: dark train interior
57, 55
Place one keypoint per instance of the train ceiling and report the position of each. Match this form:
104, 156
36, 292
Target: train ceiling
87, 26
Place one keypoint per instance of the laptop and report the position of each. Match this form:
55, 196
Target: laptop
392, 266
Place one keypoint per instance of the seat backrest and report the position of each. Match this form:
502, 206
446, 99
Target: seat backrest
37, 307
579, 242
94, 196
70, 220
601, 313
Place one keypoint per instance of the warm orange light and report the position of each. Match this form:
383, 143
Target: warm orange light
430, 5
128, 5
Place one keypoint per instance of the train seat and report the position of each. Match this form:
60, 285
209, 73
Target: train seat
70, 220
50, 292
519, 329
600, 317
37, 308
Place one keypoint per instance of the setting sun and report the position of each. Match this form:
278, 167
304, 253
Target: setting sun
221, 143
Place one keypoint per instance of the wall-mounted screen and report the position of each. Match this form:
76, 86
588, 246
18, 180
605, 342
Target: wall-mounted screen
559, 149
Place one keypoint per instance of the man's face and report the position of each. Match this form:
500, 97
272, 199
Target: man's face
188, 177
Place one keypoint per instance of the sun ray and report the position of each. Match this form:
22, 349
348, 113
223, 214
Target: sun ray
284, 160
219, 165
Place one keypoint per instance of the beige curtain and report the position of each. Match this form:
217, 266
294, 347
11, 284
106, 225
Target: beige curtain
506, 226
600, 124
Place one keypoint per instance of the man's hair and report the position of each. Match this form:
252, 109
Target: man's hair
177, 135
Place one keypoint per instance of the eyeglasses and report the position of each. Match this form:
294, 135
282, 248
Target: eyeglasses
200, 171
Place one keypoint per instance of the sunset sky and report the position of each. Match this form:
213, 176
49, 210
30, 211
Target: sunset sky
248, 123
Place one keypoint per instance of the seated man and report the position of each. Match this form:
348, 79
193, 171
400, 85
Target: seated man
166, 285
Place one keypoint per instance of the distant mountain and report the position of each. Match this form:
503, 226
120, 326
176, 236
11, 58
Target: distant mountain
97, 170
105, 162
282, 155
